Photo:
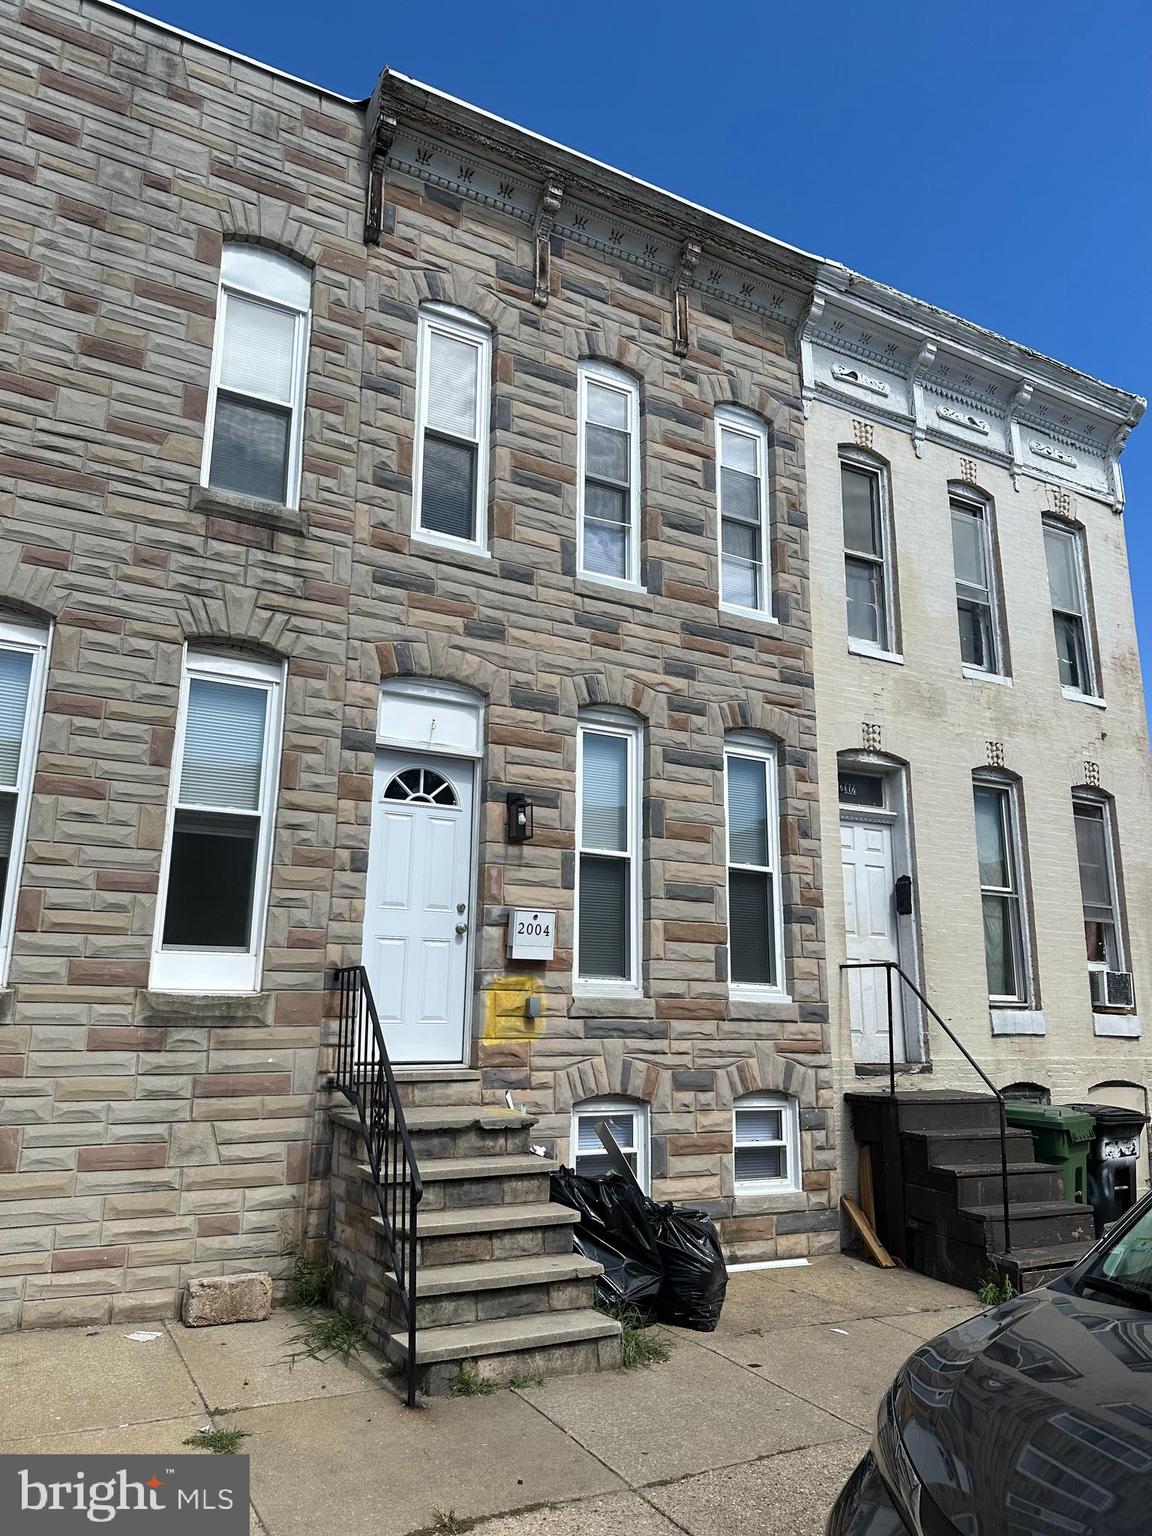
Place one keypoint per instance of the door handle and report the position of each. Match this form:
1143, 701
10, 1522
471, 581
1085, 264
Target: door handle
461, 927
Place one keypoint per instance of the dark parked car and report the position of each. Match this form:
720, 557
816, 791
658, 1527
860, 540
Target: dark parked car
1033, 1419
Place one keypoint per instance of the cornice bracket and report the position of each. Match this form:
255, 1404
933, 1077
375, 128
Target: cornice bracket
1115, 449
924, 360
551, 195
686, 267
810, 318
1018, 402
386, 129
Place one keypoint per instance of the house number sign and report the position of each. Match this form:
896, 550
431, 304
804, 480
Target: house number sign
531, 934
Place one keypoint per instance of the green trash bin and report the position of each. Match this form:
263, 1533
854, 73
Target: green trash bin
1060, 1135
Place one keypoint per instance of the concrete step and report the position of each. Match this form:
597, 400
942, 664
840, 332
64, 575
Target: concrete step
455, 1130
1028, 1268
451, 1182
437, 1087
477, 1234
450, 1294
554, 1343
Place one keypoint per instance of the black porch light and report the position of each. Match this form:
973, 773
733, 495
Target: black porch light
519, 818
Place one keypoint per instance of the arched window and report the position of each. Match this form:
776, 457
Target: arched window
421, 786
766, 1143
23, 656
1027, 1093
627, 1123
742, 495
755, 888
256, 394
608, 474
982, 630
1003, 891
608, 797
450, 479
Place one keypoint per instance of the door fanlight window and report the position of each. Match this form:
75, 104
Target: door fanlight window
421, 786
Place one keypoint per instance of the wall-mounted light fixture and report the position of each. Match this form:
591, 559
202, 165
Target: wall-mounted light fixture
519, 818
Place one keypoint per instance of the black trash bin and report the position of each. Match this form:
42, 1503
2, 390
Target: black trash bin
1113, 1159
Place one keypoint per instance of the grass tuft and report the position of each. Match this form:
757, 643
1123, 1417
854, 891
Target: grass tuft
224, 1442
446, 1522
468, 1383
639, 1347
515, 1381
328, 1335
995, 1289
313, 1282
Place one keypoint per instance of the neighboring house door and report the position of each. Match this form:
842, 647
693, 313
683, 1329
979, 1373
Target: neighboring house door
871, 934
417, 916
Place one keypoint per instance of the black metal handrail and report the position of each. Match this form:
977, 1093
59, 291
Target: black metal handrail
363, 1074
892, 966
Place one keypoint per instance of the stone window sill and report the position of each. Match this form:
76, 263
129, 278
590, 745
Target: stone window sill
1017, 1021
608, 1006
245, 1010
213, 501
1118, 1024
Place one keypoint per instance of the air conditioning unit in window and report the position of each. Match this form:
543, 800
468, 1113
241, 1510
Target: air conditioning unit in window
1111, 989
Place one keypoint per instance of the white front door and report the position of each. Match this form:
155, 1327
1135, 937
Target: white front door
418, 911
871, 934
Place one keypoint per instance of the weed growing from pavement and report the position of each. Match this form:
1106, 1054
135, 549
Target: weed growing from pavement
638, 1346
995, 1290
313, 1282
525, 1381
467, 1383
328, 1335
224, 1442
446, 1522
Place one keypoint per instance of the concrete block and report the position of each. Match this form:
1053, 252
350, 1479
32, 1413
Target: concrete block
227, 1299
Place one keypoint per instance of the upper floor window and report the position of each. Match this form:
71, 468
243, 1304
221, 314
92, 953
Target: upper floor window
1103, 934
742, 457
23, 651
765, 1143
867, 556
626, 1121
256, 393
608, 474
214, 885
999, 852
755, 905
977, 605
607, 842
450, 480
1064, 549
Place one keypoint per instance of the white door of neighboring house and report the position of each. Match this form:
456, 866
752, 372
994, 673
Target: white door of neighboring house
871, 934
417, 916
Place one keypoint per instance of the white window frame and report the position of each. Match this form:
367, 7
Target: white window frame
792, 1182
609, 378
732, 419
461, 325
1092, 693
222, 970
33, 640
611, 722
737, 744
983, 505
246, 289
1017, 889
638, 1111
889, 650
1102, 804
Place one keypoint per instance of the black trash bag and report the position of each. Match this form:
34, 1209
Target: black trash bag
614, 1231
695, 1275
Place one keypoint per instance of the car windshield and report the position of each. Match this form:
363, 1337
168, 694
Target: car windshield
1124, 1270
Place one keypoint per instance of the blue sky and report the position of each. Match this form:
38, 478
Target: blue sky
991, 158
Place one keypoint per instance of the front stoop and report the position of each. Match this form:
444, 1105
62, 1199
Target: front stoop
499, 1287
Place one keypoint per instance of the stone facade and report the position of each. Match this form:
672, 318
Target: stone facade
147, 1138
944, 408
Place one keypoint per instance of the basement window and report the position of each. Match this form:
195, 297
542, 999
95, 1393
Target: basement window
627, 1122
766, 1143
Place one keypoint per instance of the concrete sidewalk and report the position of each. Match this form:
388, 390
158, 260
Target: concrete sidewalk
748, 1431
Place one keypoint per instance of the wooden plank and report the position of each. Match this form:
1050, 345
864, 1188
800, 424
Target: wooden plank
867, 1188
873, 1244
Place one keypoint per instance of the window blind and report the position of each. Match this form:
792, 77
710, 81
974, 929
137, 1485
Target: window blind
604, 777
607, 407
1063, 576
15, 679
747, 811
452, 385
861, 524
759, 1163
7, 827
991, 849
759, 1125
622, 1128
223, 746
259, 353
969, 550
605, 919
